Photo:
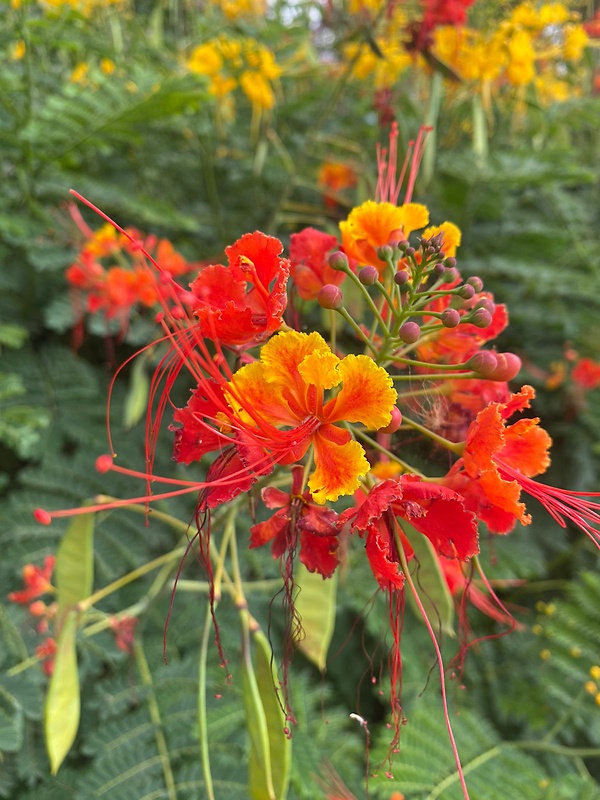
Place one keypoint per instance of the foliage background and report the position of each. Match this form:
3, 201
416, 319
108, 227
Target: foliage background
148, 144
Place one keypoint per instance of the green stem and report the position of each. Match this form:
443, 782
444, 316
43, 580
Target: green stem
356, 328
455, 447
161, 742
433, 377
202, 716
380, 449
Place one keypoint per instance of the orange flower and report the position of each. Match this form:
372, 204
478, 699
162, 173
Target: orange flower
286, 388
334, 177
495, 456
586, 373
372, 225
36, 581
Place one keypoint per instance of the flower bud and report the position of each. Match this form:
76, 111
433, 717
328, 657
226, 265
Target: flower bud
385, 252
104, 463
403, 244
450, 262
330, 296
401, 277
338, 260
42, 516
368, 276
438, 270
395, 423
409, 332
486, 303
451, 275
466, 292
476, 283
484, 363
481, 318
507, 368
410, 251
450, 318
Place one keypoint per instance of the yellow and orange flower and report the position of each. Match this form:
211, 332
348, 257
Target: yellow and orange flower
372, 225
286, 388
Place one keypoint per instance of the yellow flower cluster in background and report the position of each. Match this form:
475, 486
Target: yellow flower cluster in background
231, 63
532, 46
394, 59
85, 7
241, 8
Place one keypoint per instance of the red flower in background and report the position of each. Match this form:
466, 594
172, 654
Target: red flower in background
36, 581
309, 266
586, 373
244, 302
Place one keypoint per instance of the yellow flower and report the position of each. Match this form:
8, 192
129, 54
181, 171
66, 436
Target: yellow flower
107, 66
520, 70
18, 50
205, 60
452, 236
257, 89
240, 8
79, 74
575, 42
222, 85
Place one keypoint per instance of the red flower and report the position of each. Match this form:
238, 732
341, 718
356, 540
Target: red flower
124, 630
36, 581
431, 509
245, 301
46, 652
308, 257
299, 520
458, 584
586, 373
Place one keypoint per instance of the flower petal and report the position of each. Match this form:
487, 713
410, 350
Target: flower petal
338, 467
321, 370
367, 394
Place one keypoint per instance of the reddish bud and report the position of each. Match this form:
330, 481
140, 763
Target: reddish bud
481, 318
451, 275
385, 252
330, 296
409, 332
41, 516
338, 260
395, 422
401, 277
450, 318
508, 367
450, 262
438, 270
466, 292
484, 363
104, 463
368, 276
177, 312
410, 251
476, 283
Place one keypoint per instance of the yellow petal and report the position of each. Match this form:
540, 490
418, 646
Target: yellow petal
321, 370
338, 467
283, 354
367, 394
252, 395
414, 216
452, 236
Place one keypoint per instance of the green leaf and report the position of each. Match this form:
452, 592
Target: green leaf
280, 745
316, 605
61, 713
270, 748
137, 395
11, 724
429, 580
74, 568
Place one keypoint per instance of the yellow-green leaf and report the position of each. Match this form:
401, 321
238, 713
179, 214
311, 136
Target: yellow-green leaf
316, 605
280, 745
74, 570
260, 778
61, 713
430, 583
136, 401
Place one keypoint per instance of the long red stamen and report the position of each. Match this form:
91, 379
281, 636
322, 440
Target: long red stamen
562, 504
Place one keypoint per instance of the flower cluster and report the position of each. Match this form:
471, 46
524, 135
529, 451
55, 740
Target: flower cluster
110, 274
229, 63
37, 582
301, 419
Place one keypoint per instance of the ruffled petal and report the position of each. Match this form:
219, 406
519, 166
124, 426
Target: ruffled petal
414, 216
321, 370
252, 395
338, 467
283, 354
367, 394
385, 567
526, 447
